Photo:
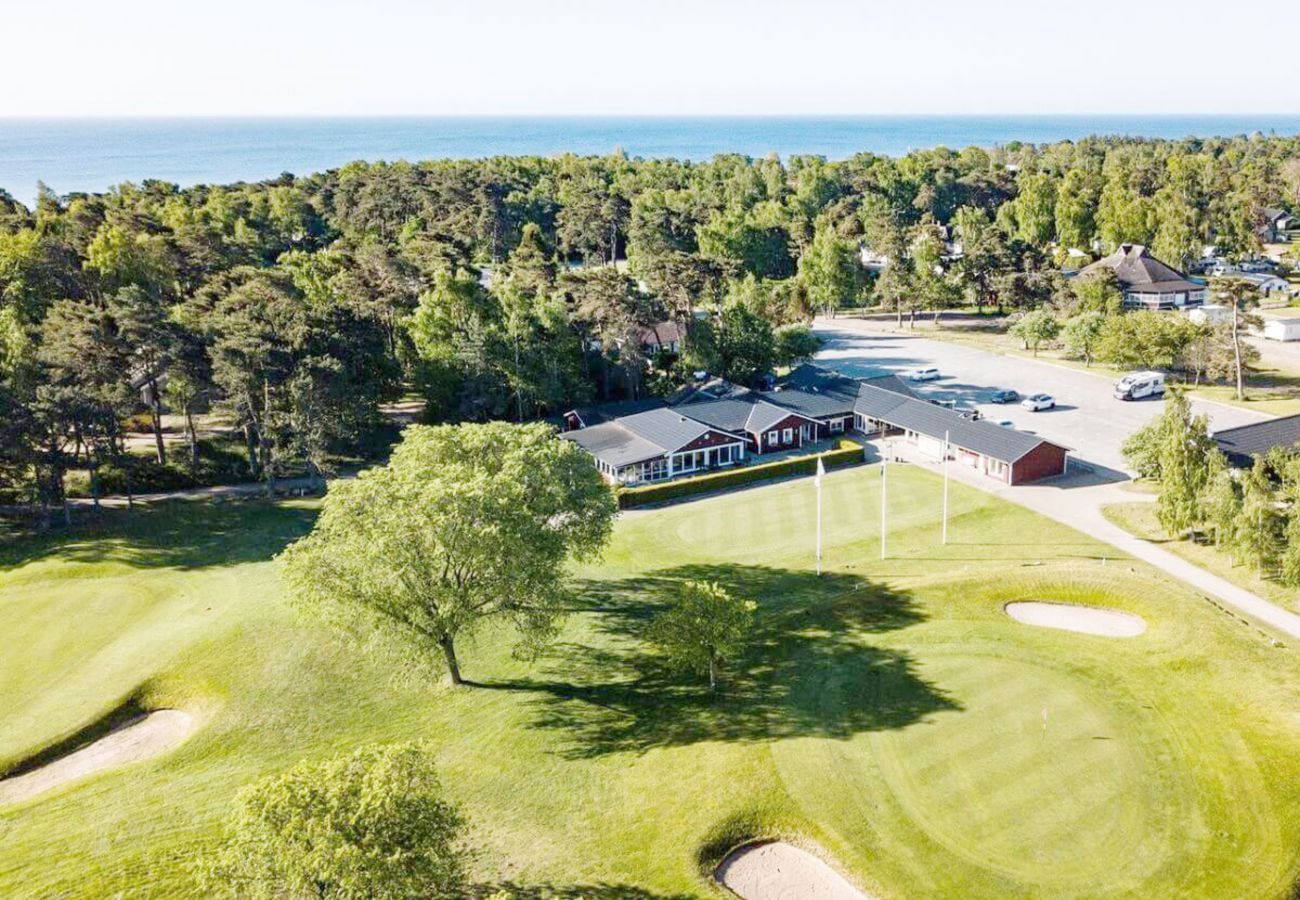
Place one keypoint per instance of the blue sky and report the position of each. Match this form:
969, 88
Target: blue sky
392, 57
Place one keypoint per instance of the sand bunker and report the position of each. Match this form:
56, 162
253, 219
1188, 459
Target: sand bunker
151, 734
1084, 619
781, 871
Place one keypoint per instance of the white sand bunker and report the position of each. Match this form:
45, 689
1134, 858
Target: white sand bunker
150, 735
1084, 619
781, 871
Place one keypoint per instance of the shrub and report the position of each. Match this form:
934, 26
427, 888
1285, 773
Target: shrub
847, 453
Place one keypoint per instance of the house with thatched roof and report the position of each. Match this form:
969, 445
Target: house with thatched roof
1147, 282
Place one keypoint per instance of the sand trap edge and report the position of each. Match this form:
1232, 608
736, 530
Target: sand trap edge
1094, 620
778, 870
152, 734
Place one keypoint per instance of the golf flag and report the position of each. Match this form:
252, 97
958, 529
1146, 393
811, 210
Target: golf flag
821, 470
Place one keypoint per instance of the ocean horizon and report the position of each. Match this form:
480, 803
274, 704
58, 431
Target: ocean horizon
93, 154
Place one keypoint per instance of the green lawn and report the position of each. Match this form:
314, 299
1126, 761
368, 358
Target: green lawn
1140, 519
889, 711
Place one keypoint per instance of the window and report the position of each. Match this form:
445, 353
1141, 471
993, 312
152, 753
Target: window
837, 425
773, 438
789, 435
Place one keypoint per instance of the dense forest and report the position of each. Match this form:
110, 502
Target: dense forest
517, 287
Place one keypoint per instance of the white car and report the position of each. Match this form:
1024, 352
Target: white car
924, 375
1036, 402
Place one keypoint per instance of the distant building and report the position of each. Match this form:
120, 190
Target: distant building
1241, 445
1276, 226
1147, 282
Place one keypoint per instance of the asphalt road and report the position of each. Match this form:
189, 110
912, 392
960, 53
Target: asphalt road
1087, 418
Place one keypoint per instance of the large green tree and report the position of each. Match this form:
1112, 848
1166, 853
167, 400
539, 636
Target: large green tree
465, 524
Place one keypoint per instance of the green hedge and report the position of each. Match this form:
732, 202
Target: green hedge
846, 454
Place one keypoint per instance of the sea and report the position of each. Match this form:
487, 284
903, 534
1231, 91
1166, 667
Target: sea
70, 155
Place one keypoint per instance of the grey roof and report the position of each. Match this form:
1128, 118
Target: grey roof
820, 393
726, 415
665, 427
611, 443
750, 412
608, 412
976, 435
1139, 271
1242, 443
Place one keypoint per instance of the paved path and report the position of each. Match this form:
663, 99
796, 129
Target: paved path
1076, 500
1080, 507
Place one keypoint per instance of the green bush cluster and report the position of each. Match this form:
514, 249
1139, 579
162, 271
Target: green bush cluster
218, 464
846, 453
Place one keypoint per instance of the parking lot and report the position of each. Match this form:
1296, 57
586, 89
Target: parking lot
1087, 418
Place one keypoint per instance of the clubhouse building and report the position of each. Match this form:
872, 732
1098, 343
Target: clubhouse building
718, 425
1148, 283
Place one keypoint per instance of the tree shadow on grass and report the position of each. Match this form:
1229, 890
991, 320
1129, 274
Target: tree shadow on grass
187, 534
811, 668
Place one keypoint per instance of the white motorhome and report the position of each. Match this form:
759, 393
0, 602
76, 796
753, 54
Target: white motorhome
1136, 385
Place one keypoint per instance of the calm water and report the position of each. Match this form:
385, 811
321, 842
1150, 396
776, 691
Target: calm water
91, 155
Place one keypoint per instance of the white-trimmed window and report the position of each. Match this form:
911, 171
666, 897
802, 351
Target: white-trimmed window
773, 438
788, 436
837, 425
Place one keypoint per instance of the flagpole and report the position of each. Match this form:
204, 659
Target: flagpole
945, 487
821, 470
819, 526
884, 483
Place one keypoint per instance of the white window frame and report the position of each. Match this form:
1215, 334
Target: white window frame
837, 426
773, 438
788, 436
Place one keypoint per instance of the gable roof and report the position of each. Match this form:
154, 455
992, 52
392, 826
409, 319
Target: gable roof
608, 412
1243, 443
660, 333
611, 443
978, 435
750, 412
1137, 270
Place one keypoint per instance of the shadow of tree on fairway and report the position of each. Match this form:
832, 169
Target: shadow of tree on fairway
187, 534
810, 669
599, 891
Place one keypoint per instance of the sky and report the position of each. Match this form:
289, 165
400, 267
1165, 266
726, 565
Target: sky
652, 57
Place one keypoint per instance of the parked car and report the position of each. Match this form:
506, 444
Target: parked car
1038, 402
1136, 385
1006, 423
924, 375
1004, 396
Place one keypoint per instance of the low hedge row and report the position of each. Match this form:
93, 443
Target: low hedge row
846, 454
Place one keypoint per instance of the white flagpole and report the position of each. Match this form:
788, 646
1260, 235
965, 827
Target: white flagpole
821, 470
884, 482
945, 487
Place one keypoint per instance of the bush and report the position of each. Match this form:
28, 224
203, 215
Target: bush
218, 464
847, 453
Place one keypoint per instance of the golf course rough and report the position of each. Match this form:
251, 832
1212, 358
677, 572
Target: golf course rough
888, 712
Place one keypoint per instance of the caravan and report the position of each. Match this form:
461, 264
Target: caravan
1137, 385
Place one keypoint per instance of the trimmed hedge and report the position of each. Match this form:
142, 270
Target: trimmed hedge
846, 454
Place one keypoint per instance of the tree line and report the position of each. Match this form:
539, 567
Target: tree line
1253, 515
512, 288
